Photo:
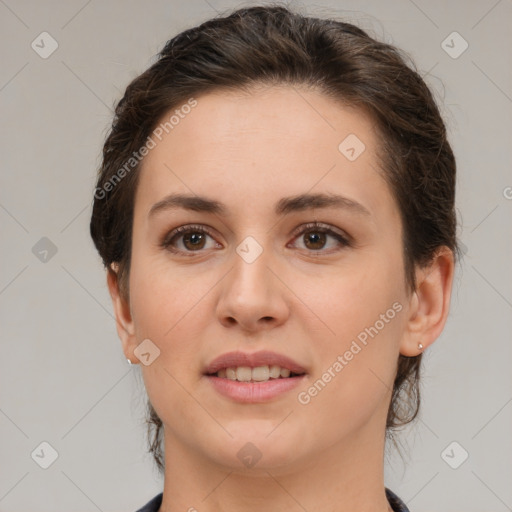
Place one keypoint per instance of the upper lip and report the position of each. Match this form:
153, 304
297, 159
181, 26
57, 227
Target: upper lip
262, 358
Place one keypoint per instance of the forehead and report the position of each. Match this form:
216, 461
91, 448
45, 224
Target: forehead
234, 121
248, 146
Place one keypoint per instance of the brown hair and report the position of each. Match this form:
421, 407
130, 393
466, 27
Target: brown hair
273, 45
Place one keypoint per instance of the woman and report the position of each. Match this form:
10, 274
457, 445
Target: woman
275, 211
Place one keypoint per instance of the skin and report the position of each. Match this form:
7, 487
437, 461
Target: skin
248, 151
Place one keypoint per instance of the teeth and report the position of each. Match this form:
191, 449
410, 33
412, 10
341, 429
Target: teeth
275, 371
260, 373
285, 372
243, 373
257, 374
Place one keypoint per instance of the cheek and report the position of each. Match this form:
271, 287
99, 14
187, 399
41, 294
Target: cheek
365, 308
165, 298
171, 308
172, 312
352, 301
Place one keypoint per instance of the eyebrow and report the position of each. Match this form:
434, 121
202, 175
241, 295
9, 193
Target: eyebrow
286, 205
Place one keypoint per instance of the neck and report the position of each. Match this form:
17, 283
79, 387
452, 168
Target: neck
344, 477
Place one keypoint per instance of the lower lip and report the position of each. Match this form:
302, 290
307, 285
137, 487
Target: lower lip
253, 392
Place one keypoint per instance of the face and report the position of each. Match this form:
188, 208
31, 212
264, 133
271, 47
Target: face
321, 283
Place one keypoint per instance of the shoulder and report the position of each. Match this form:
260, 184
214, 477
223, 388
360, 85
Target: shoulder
152, 505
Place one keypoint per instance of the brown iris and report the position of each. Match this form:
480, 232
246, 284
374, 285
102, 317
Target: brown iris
314, 240
197, 240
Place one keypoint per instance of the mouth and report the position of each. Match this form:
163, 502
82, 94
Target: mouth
253, 367
254, 377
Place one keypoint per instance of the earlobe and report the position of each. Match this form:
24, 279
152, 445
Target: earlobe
429, 304
124, 321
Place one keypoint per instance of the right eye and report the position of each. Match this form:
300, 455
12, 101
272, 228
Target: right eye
187, 239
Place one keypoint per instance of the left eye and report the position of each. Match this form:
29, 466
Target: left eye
315, 237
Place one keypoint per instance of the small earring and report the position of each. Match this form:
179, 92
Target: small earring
420, 346
129, 362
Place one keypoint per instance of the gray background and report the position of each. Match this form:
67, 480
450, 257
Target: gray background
64, 379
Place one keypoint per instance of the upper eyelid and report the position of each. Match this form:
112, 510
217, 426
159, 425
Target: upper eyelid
321, 226
183, 230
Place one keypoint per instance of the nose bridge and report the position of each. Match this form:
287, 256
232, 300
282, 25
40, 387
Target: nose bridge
250, 273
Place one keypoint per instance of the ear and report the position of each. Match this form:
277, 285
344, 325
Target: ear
429, 304
124, 321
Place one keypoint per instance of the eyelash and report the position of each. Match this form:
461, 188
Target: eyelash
168, 241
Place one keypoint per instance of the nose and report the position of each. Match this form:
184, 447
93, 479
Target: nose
252, 297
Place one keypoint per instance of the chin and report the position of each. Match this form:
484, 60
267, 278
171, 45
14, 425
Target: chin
254, 447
